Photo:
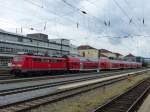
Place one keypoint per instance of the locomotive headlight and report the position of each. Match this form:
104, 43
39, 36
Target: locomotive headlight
18, 65
11, 65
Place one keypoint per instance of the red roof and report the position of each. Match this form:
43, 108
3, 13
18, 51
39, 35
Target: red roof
84, 47
102, 55
118, 54
130, 55
104, 50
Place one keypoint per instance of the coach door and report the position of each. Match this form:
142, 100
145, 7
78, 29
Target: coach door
28, 62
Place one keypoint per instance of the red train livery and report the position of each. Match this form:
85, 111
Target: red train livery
29, 64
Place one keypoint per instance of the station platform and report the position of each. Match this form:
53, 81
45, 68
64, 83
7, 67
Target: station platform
146, 105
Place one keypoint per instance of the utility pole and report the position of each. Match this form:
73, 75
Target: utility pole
61, 46
37, 47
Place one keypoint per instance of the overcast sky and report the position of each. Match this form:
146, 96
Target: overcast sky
118, 25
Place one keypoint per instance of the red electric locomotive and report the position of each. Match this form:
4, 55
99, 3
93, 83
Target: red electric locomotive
23, 64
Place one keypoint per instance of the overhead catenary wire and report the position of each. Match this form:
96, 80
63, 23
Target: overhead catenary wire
124, 12
52, 12
44, 22
86, 13
32, 28
58, 16
82, 11
106, 22
134, 17
22, 13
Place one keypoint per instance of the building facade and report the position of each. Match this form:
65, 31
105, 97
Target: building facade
109, 54
11, 44
130, 57
88, 51
73, 50
119, 56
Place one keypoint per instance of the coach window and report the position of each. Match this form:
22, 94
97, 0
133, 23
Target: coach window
53, 61
83, 54
36, 59
45, 60
60, 60
57, 60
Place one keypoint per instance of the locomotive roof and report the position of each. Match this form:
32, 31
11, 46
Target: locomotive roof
34, 56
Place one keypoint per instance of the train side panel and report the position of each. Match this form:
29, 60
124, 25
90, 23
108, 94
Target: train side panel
73, 64
89, 64
104, 63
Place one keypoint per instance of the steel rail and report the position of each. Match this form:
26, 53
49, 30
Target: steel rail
47, 85
14, 80
129, 100
58, 95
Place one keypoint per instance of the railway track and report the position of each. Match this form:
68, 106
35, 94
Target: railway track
57, 83
5, 79
128, 101
57, 96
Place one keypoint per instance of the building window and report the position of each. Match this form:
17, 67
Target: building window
4, 61
6, 49
31, 40
20, 39
83, 54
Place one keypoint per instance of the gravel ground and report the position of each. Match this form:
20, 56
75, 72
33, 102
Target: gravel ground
146, 105
90, 100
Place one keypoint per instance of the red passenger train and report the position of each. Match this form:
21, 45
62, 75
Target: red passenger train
30, 64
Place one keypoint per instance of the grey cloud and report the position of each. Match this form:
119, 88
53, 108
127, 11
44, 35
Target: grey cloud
90, 26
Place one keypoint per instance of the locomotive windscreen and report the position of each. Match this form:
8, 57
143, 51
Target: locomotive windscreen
18, 58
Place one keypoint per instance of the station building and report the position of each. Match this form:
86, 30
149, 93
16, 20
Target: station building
88, 51
110, 54
130, 57
38, 43
91, 52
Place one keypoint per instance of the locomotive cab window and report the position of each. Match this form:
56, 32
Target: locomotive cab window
17, 58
